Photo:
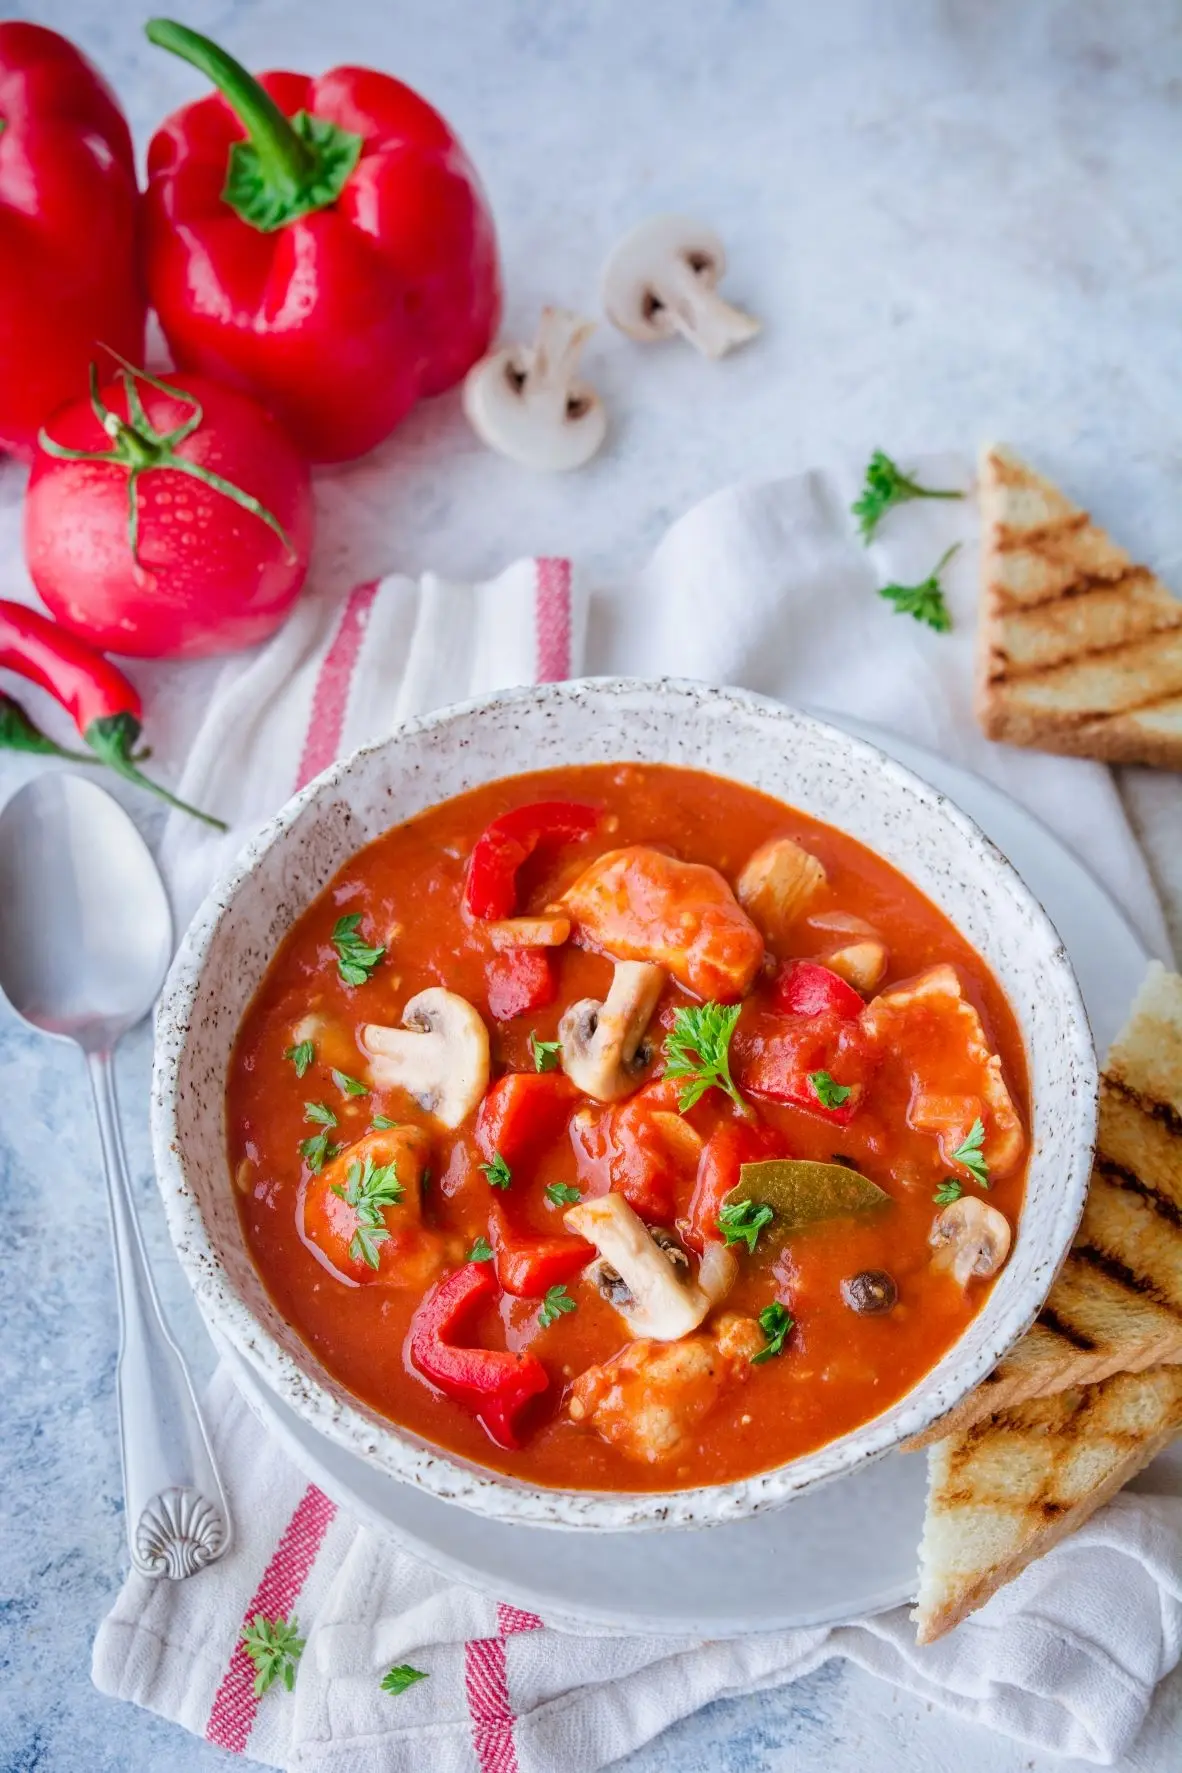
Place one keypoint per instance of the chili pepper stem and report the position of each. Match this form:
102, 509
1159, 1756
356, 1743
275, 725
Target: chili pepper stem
112, 740
276, 142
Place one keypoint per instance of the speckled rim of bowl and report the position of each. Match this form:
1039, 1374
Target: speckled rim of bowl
294, 1372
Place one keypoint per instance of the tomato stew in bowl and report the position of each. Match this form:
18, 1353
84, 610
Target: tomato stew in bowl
620, 1128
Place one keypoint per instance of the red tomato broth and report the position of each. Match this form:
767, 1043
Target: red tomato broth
838, 1368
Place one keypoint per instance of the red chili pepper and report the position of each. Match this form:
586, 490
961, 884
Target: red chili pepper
529, 1266
68, 213
493, 1385
518, 980
729, 1147
104, 706
491, 887
807, 989
323, 243
522, 1114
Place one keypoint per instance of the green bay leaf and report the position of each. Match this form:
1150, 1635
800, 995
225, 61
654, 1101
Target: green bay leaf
801, 1192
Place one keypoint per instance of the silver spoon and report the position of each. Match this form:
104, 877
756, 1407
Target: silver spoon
85, 941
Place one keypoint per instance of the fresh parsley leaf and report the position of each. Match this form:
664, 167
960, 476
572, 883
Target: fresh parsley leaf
949, 1190
741, 1221
356, 960
972, 1156
481, 1251
885, 487
545, 1053
318, 1150
498, 1172
697, 1048
398, 1679
557, 1301
562, 1194
369, 1189
828, 1093
924, 601
321, 1113
301, 1056
352, 1086
775, 1323
274, 1646
381, 1123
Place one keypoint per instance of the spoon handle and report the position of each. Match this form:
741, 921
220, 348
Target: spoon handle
177, 1519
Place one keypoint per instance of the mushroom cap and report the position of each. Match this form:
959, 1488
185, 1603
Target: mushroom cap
525, 402
640, 265
971, 1237
440, 1055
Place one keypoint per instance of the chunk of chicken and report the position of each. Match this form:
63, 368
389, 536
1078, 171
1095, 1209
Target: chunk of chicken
956, 1080
779, 882
407, 1253
637, 904
649, 1399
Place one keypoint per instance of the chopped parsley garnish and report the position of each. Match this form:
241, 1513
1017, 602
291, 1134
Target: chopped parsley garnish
741, 1221
545, 1053
562, 1194
301, 1056
481, 1251
352, 1086
949, 1190
498, 1172
381, 1123
369, 1189
885, 487
398, 1679
971, 1155
274, 1646
775, 1323
924, 601
828, 1093
318, 1150
321, 1113
557, 1301
356, 960
697, 1048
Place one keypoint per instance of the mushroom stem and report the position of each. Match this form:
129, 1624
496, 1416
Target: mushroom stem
705, 319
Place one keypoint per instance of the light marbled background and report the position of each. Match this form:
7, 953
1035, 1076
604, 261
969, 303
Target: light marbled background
957, 220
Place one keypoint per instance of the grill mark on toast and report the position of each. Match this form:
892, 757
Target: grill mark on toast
1079, 1339
1009, 540
1165, 1112
1122, 1177
1085, 585
1111, 649
1123, 1276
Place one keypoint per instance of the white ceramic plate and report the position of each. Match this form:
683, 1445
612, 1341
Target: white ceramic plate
839, 1552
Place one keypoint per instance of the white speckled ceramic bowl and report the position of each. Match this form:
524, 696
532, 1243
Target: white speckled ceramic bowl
799, 760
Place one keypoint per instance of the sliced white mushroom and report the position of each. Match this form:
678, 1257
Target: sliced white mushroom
600, 1040
971, 1238
528, 932
660, 280
655, 1297
440, 1055
859, 956
527, 403
779, 882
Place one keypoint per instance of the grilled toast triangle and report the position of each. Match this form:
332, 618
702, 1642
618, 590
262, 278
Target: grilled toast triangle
1079, 648
1007, 1490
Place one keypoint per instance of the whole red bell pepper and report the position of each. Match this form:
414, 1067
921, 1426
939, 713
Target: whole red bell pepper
490, 890
491, 1384
323, 243
529, 1266
68, 218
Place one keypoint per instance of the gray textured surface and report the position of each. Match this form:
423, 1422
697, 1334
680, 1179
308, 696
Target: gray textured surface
956, 220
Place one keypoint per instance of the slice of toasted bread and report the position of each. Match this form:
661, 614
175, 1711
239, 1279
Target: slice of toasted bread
1116, 1306
1007, 1490
1079, 649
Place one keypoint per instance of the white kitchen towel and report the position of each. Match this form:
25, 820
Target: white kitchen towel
765, 586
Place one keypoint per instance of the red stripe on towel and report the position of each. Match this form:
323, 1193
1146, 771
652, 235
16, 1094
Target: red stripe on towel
330, 698
486, 1683
233, 1711
512, 1619
552, 620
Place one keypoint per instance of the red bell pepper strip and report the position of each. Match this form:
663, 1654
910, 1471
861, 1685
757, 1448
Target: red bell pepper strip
728, 1148
522, 1114
492, 1385
805, 988
104, 706
323, 243
529, 1266
491, 887
68, 222
518, 980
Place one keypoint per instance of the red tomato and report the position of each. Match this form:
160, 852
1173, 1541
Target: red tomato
805, 988
522, 1114
729, 1147
211, 576
518, 980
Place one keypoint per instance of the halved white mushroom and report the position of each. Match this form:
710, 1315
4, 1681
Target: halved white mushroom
441, 1058
660, 281
971, 1238
526, 402
655, 1297
600, 1040
860, 954
778, 883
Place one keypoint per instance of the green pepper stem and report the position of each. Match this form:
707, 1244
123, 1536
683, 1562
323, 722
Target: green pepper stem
276, 142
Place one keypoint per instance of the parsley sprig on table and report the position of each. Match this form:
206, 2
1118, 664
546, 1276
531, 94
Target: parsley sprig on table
557, 1301
741, 1221
828, 1092
399, 1678
498, 1172
545, 1053
775, 1323
886, 486
697, 1048
924, 601
369, 1189
972, 1156
301, 1056
274, 1646
356, 960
